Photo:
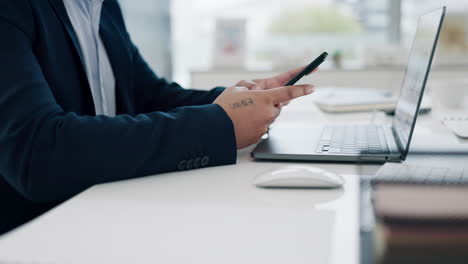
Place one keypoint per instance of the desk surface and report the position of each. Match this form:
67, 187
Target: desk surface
212, 215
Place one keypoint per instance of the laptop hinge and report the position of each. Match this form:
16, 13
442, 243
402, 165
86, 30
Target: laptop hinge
397, 140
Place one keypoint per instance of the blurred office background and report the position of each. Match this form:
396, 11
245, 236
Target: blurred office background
181, 38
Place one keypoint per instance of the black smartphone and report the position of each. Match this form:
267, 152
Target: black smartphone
307, 70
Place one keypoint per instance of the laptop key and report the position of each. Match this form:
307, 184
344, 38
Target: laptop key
349, 151
334, 150
354, 139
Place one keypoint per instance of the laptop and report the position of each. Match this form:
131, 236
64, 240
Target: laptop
363, 142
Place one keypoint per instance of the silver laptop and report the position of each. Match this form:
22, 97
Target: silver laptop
363, 143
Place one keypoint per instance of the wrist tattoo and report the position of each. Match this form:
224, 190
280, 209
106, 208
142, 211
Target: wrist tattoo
242, 103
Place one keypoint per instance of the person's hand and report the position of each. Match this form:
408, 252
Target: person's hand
271, 83
252, 111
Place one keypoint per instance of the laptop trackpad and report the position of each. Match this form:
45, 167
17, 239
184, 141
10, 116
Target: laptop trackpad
291, 138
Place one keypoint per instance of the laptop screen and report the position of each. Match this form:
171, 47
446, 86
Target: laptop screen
416, 75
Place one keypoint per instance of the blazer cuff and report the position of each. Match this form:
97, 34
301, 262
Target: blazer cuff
222, 136
215, 136
217, 91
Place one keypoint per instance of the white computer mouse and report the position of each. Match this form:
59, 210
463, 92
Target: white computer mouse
299, 177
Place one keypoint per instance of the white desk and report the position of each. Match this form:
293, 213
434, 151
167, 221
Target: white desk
211, 215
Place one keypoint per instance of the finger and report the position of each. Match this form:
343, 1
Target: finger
288, 93
241, 88
281, 105
276, 113
249, 84
283, 78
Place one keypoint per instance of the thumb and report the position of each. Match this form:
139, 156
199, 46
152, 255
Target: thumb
288, 93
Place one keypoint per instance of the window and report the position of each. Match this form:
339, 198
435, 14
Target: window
180, 36
279, 33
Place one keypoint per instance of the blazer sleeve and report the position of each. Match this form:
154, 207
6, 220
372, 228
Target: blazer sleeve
161, 95
48, 154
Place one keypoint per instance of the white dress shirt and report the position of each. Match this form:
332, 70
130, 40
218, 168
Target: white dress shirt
85, 16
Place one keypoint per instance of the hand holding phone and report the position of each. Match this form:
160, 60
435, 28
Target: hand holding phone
307, 70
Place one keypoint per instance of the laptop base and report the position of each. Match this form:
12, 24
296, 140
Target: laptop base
295, 142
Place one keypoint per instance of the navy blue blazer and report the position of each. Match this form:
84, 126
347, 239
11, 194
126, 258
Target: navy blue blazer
52, 146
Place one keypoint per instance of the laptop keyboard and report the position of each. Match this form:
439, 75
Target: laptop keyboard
414, 174
353, 139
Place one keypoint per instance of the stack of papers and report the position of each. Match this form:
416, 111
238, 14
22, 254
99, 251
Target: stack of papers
336, 100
